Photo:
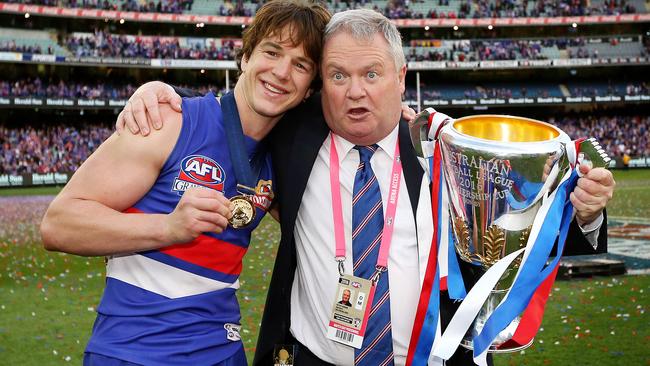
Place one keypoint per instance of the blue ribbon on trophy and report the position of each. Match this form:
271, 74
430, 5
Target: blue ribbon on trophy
538, 213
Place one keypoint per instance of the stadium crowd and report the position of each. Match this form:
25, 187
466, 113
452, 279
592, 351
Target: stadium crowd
62, 148
500, 49
160, 6
619, 135
11, 46
103, 44
394, 9
475, 92
48, 149
35, 87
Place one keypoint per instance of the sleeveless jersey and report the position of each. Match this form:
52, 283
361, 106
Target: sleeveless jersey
177, 305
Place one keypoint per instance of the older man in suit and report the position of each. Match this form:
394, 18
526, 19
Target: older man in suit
358, 115
363, 78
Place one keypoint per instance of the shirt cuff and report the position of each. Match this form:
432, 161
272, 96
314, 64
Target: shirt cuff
591, 230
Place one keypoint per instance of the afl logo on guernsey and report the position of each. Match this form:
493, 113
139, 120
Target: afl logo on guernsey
199, 170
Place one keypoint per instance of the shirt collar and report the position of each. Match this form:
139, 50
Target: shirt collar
387, 144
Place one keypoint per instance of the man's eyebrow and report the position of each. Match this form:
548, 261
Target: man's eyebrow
336, 65
278, 47
271, 44
332, 65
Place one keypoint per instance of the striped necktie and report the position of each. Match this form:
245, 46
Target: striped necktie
367, 227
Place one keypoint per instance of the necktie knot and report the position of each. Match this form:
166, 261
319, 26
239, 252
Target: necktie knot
366, 152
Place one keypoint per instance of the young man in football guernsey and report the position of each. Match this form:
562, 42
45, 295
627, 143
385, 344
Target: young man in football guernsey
174, 212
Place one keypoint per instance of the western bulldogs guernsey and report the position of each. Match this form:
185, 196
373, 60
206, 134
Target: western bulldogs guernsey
177, 305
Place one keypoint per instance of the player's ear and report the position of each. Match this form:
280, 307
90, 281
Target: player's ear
308, 94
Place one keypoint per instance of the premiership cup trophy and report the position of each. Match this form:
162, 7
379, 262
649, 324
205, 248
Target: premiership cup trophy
498, 170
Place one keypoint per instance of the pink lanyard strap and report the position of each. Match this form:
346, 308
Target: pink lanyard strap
337, 207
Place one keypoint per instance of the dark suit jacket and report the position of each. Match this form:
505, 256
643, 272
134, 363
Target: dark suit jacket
294, 144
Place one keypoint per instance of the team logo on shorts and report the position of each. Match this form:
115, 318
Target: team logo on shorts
232, 331
199, 171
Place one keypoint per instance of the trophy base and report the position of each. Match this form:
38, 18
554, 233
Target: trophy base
467, 343
502, 342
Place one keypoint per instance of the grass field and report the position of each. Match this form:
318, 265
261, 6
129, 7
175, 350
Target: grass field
48, 300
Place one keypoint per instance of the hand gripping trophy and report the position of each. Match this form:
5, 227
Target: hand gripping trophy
501, 188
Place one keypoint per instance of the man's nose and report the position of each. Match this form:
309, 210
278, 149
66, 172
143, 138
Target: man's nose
356, 89
282, 68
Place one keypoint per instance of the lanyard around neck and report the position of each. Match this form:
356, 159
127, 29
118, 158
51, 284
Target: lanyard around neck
337, 208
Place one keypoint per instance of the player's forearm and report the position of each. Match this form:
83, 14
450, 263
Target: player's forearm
89, 228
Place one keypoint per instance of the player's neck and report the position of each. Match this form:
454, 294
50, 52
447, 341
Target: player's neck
254, 124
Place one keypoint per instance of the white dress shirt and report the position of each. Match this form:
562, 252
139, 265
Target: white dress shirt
316, 278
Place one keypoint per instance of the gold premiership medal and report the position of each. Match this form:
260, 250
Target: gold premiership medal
244, 212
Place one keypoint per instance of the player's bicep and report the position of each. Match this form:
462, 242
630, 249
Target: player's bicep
123, 168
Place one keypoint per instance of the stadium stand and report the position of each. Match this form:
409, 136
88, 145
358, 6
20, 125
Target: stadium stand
103, 44
48, 149
526, 49
91, 66
62, 89
160, 6
394, 9
62, 148
30, 41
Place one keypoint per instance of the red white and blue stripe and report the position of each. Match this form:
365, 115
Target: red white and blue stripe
367, 229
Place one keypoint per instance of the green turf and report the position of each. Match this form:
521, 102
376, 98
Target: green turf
600, 321
47, 300
30, 191
631, 195
47, 303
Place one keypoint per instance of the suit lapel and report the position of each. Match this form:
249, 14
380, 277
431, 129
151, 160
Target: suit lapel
308, 140
410, 166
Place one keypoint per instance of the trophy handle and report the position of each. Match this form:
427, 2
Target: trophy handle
592, 154
425, 128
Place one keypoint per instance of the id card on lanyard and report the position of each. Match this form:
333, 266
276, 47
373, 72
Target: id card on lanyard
354, 295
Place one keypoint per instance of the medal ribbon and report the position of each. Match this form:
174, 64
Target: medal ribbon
391, 206
237, 145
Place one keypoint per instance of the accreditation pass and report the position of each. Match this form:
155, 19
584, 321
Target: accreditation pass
350, 310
